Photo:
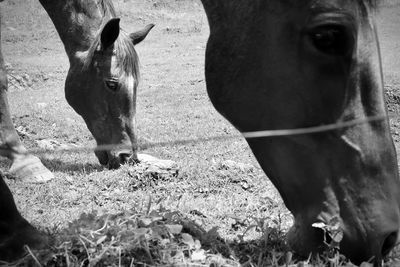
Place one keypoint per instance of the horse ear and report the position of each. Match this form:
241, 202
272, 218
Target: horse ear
139, 36
109, 33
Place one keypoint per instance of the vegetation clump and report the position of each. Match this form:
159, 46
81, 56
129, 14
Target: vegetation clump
165, 238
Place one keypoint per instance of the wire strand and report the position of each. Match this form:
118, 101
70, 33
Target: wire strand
247, 135
315, 129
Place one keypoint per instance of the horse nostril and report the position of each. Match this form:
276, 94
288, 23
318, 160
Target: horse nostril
389, 243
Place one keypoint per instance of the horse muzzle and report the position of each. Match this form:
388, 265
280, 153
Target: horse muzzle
113, 159
359, 240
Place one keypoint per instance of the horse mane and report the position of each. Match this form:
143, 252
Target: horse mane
373, 3
107, 7
124, 49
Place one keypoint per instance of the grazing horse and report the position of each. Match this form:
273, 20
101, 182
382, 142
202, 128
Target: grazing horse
104, 72
100, 85
287, 64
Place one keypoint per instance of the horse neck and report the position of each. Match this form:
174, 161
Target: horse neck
76, 21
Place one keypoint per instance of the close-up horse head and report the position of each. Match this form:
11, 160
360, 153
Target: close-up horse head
104, 74
273, 65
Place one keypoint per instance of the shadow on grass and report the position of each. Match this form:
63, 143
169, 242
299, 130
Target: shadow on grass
55, 165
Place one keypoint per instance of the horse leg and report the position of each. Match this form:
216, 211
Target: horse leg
15, 231
24, 166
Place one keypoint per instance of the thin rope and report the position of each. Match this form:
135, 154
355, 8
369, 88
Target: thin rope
247, 135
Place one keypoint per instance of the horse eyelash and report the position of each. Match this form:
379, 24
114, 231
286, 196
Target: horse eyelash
112, 84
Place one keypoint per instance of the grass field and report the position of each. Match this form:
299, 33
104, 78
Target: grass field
219, 182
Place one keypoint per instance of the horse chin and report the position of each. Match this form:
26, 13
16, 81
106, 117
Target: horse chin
305, 239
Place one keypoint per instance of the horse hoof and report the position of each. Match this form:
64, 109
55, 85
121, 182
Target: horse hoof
30, 169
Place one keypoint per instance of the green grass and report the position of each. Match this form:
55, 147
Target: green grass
220, 196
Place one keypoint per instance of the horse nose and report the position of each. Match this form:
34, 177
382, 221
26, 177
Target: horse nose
358, 245
124, 156
118, 158
375, 248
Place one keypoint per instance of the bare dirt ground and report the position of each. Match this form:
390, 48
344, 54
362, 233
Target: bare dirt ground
219, 182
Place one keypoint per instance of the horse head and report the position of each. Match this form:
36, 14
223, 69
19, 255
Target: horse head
101, 87
295, 64
104, 73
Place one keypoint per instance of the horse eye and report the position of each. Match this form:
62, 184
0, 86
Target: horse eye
112, 85
331, 40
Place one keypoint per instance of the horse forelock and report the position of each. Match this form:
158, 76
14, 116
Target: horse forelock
127, 58
124, 49
125, 53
